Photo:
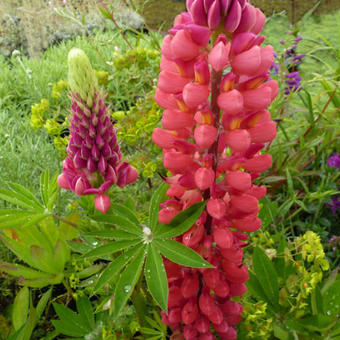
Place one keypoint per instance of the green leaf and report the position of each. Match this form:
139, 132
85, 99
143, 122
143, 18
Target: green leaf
280, 332
279, 262
125, 212
150, 331
156, 277
68, 328
89, 271
178, 253
154, 205
112, 233
78, 247
42, 304
316, 301
48, 189
116, 266
44, 184
127, 281
20, 308
25, 195
296, 326
29, 325
85, 311
266, 274
130, 203
290, 183
335, 334
181, 222
120, 222
70, 323
111, 248
18, 270
318, 323
255, 288
105, 13
16, 217
331, 297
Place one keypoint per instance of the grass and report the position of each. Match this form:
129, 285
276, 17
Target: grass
24, 154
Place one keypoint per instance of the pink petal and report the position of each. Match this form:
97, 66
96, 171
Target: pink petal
102, 203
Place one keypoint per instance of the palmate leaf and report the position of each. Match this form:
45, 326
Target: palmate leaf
29, 209
111, 248
180, 254
130, 203
154, 205
24, 196
127, 281
120, 222
181, 222
156, 277
116, 266
48, 189
124, 211
15, 217
112, 233
70, 323
84, 308
18, 270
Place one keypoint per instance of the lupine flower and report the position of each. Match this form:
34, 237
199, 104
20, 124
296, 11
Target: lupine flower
298, 39
214, 86
334, 161
335, 205
94, 160
293, 82
275, 68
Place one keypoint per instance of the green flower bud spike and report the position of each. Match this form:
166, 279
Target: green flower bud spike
81, 76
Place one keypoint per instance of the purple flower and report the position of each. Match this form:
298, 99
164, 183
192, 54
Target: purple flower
293, 82
298, 38
334, 161
335, 205
282, 42
275, 68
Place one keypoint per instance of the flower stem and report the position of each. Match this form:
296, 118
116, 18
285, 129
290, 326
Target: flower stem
215, 91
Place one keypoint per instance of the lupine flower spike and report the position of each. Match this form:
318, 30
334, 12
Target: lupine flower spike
214, 86
94, 161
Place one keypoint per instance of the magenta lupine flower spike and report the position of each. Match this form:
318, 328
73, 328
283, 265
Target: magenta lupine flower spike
215, 88
94, 161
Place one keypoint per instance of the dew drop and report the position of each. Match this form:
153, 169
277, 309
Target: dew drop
127, 288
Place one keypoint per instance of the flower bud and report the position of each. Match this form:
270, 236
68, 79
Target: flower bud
81, 76
102, 203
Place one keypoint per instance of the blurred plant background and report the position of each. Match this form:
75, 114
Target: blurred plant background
299, 242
